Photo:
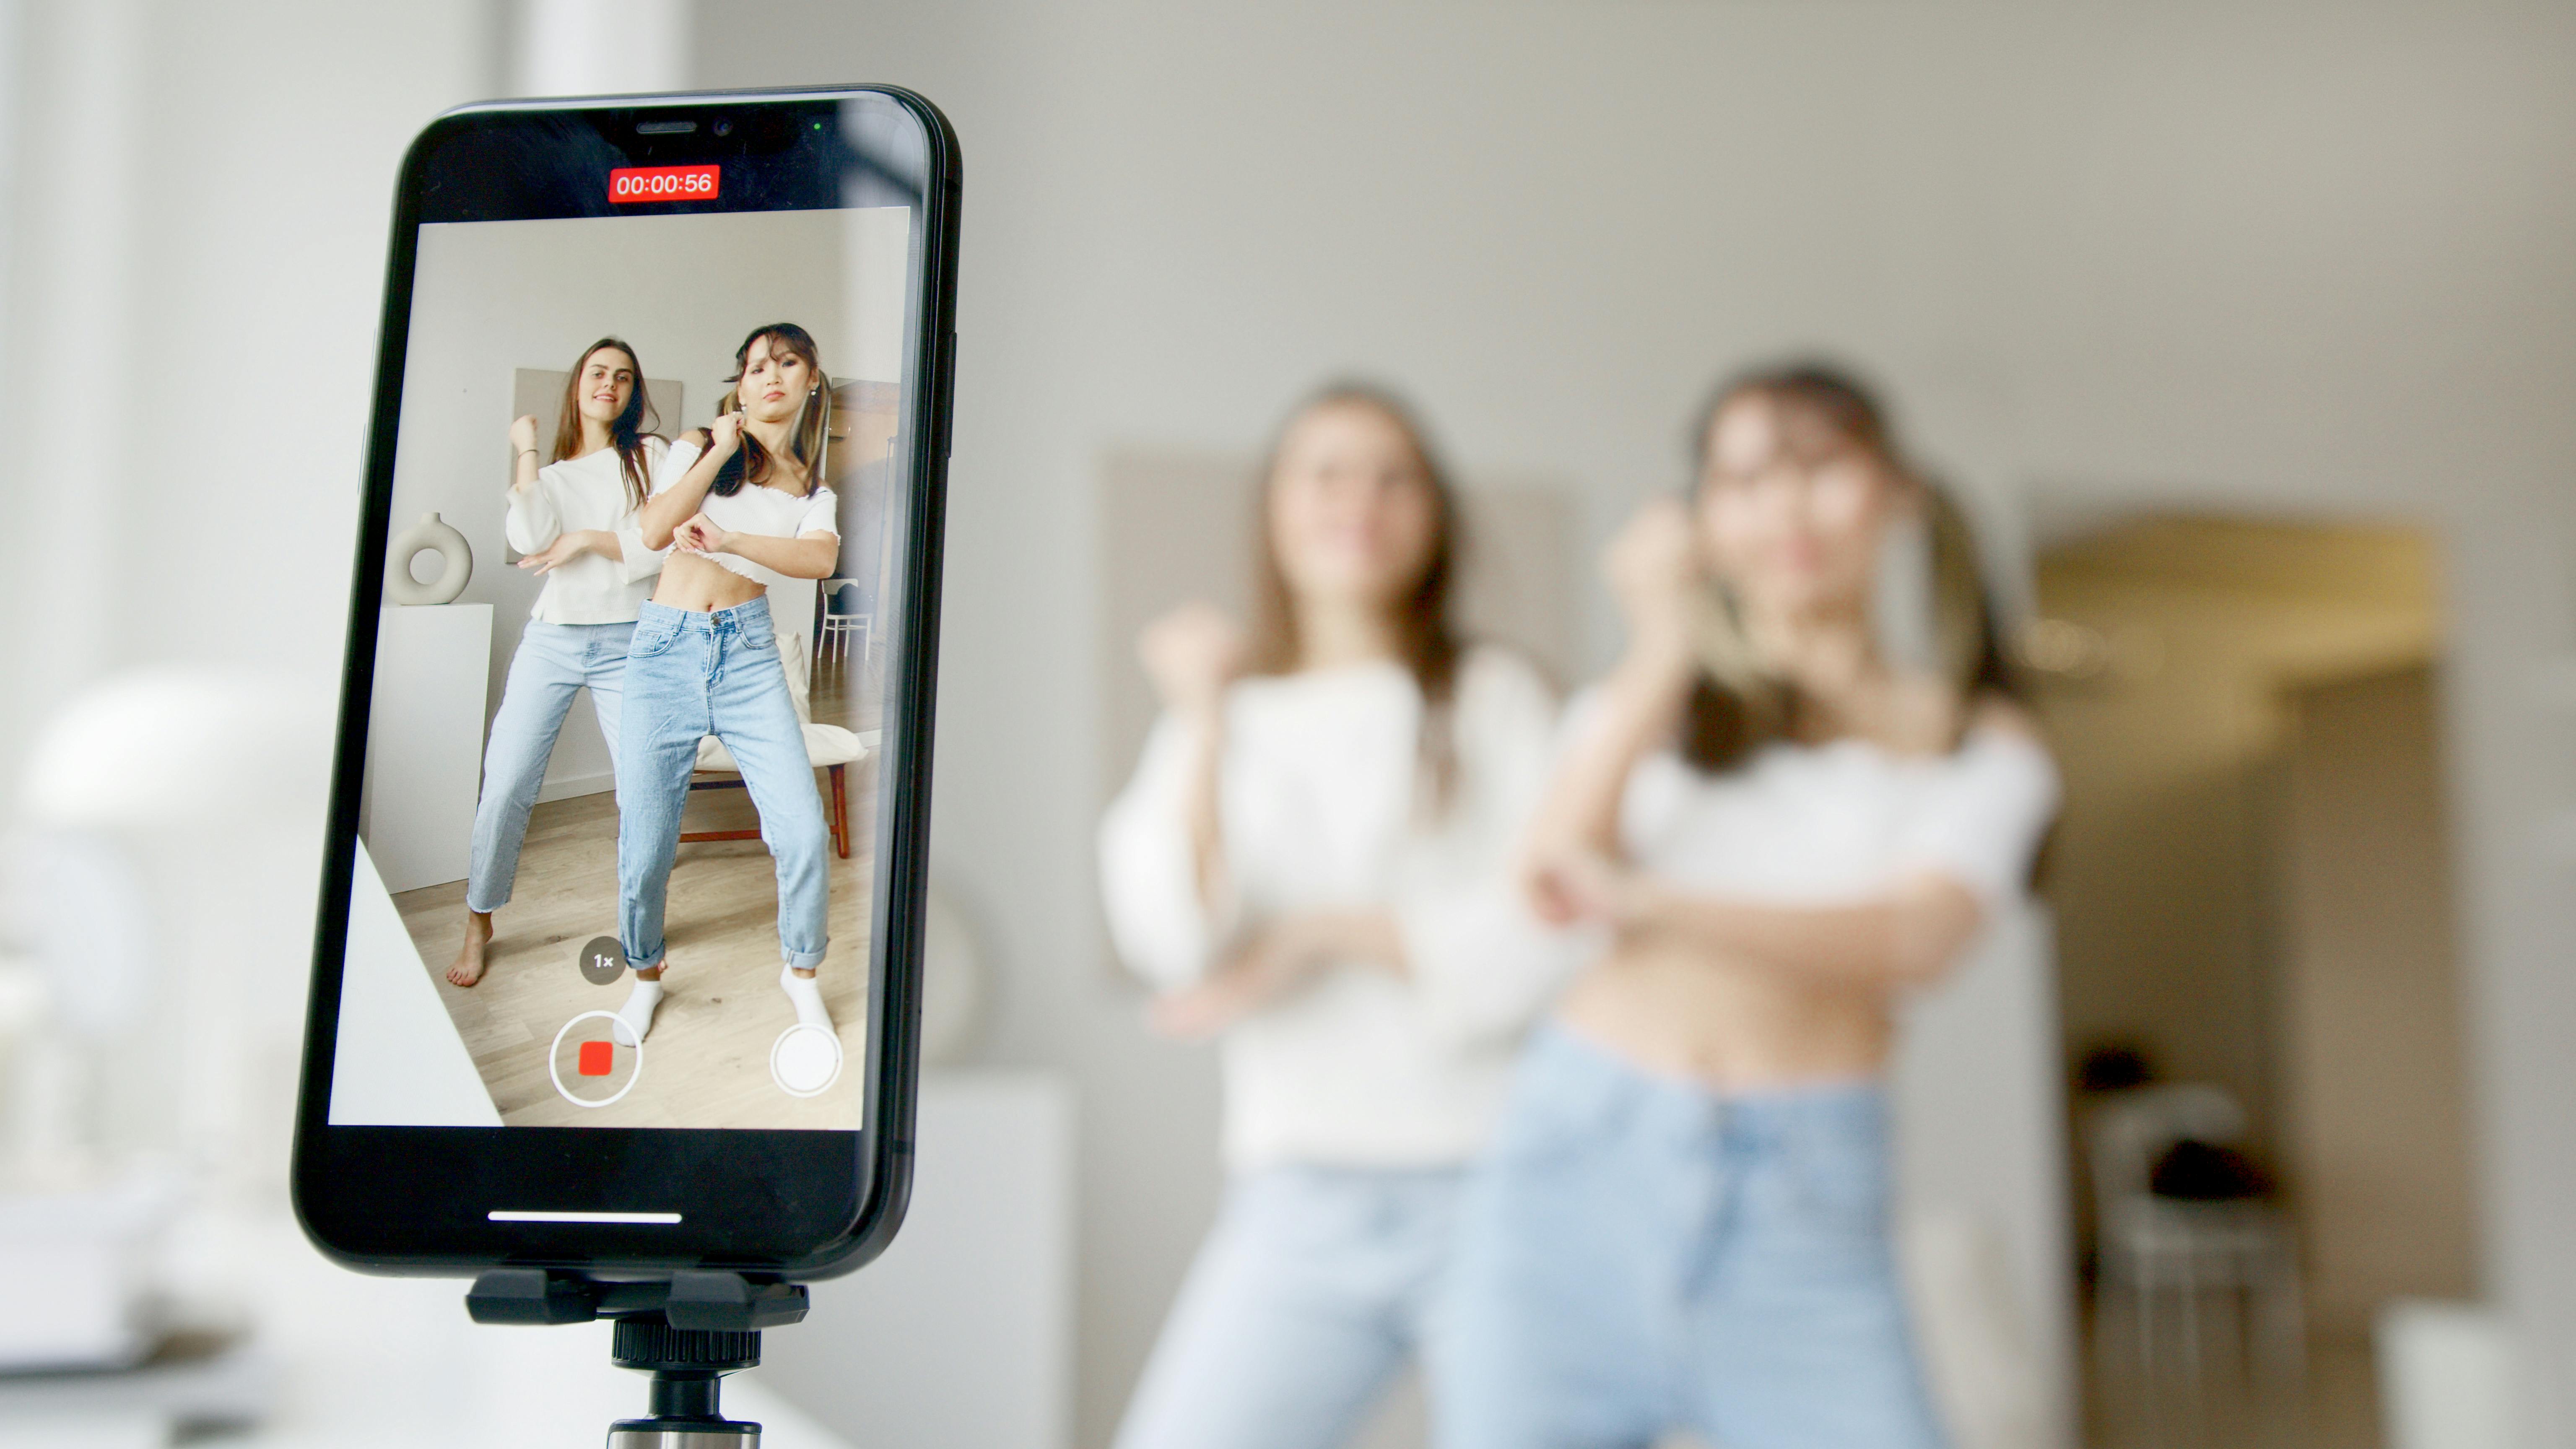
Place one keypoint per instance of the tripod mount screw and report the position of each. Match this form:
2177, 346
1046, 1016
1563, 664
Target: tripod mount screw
687, 1365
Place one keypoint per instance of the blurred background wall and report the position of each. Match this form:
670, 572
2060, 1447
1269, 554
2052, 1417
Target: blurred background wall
2277, 257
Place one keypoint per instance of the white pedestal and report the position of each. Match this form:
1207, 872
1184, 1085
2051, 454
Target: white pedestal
2446, 1378
425, 742
961, 1336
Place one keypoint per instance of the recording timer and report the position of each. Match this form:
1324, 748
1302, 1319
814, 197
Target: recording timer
628, 185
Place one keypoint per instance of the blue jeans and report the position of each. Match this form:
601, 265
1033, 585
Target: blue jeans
1315, 1288
692, 674
552, 661
1640, 1254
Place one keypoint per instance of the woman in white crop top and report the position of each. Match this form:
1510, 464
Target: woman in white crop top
1784, 823
574, 522
750, 510
1315, 858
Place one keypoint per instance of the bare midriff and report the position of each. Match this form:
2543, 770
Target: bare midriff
1676, 1011
689, 581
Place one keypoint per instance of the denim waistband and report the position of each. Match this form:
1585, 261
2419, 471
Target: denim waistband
711, 621
1581, 1073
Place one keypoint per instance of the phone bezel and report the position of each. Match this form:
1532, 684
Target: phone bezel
798, 1204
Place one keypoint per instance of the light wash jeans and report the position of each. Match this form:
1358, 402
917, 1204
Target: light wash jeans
1640, 1254
552, 661
1312, 1292
692, 674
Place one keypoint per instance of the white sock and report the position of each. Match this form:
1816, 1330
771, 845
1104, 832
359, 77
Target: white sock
637, 1013
807, 993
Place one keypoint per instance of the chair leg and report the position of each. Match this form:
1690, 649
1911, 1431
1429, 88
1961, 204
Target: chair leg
2144, 1284
2284, 1319
2109, 1367
2191, 1327
840, 811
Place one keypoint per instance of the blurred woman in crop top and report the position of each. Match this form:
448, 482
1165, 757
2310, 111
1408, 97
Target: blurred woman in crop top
1315, 859
1785, 823
574, 521
748, 512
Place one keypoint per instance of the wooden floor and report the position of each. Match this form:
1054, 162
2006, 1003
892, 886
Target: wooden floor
707, 1059
2334, 1406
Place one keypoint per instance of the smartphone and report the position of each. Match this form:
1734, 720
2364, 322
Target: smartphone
638, 685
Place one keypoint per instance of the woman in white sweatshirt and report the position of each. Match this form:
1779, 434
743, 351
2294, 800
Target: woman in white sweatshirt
1314, 858
574, 520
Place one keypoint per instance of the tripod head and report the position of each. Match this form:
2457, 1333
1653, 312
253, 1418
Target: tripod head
687, 1331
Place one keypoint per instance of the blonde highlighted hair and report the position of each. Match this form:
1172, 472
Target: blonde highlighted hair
811, 438
1738, 704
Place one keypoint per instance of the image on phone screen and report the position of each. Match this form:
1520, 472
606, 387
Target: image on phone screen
620, 821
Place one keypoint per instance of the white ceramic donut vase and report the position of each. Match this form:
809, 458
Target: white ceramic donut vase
455, 554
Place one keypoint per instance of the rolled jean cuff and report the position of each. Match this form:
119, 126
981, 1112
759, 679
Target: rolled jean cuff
805, 960
634, 965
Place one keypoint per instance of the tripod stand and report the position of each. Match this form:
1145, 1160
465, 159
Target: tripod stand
687, 1331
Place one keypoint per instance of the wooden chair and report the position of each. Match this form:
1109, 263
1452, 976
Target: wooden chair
828, 747
2165, 1255
836, 808
842, 618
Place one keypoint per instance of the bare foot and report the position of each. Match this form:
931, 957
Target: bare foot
469, 957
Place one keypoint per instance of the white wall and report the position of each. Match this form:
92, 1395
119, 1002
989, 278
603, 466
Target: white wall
2270, 255
197, 228
196, 209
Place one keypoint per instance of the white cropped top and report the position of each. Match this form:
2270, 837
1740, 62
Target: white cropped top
1842, 822
1360, 1067
757, 509
589, 492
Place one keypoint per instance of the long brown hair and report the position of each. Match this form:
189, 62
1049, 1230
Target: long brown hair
1427, 642
1736, 706
626, 434
751, 463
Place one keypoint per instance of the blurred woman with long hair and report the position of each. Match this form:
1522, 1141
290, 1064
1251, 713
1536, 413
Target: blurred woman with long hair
749, 512
573, 520
1787, 816
1314, 858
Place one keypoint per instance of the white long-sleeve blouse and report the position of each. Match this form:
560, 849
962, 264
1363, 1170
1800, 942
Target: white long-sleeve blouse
589, 492
1317, 801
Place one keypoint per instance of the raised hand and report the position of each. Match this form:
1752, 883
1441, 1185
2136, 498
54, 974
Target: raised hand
1584, 885
523, 434
1198, 1012
1653, 568
1274, 962
725, 434
699, 535
563, 550
1192, 654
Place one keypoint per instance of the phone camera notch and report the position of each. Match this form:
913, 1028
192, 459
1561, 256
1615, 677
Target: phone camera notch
724, 128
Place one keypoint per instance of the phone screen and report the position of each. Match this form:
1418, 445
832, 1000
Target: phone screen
639, 674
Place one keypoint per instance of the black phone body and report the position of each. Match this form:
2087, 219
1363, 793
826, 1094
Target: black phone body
522, 232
